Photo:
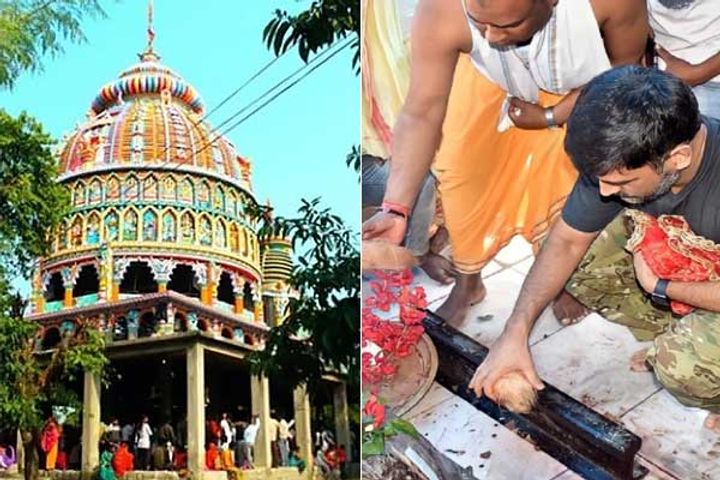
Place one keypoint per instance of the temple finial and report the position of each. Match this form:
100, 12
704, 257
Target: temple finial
149, 53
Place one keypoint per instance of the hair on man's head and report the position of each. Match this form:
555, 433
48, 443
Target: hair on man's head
629, 117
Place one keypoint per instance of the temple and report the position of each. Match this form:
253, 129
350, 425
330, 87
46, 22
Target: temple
159, 252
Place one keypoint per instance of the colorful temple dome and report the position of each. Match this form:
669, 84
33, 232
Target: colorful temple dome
159, 203
150, 117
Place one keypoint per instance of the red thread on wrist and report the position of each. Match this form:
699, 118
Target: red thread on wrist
396, 209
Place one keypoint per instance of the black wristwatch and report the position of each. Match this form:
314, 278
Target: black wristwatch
659, 293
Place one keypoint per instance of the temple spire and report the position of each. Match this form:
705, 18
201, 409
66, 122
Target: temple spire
149, 53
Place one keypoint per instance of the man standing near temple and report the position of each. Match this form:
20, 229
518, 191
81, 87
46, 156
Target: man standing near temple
143, 435
284, 437
517, 67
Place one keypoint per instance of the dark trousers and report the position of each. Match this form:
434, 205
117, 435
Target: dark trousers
142, 459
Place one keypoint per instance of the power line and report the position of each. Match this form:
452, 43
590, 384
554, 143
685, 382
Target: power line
327, 52
245, 84
245, 108
288, 87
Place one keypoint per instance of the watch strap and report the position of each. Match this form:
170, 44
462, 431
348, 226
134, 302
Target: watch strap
660, 290
550, 117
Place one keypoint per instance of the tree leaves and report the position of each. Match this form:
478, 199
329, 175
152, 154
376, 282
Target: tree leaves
31, 29
318, 27
32, 203
321, 332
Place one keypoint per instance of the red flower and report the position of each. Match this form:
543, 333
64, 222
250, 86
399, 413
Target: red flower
396, 339
375, 410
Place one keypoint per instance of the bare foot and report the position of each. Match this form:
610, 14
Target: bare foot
568, 310
638, 361
468, 290
438, 268
712, 422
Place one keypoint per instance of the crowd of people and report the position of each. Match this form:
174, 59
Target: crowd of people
230, 444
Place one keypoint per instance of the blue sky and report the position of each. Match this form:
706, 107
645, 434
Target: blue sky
297, 144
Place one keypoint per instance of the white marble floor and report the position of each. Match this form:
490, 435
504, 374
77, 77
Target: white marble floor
588, 361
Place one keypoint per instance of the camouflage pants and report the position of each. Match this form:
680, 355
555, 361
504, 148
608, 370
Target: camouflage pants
685, 354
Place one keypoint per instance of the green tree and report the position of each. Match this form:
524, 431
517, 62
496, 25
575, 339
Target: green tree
31, 206
29, 29
316, 28
321, 331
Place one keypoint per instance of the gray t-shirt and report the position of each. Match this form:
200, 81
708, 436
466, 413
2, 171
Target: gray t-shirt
699, 202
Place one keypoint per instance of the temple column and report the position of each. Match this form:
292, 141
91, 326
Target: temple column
19, 455
38, 293
239, 303
162, 269
260, 395
105, 269
279, 305
303, 429
257, 302
239, 291
69, 276
342, 420
201, 274
196, 410
118, 272
91, 423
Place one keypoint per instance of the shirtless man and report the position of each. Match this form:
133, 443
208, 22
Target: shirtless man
442, 30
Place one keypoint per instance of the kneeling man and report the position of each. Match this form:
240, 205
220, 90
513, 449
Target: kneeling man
639, 142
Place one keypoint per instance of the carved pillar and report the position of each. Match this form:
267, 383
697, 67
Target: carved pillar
105, 273
280, 303
91, 423
239, 291
69, 276
133, 323
119, 267
201, 273
260, 398
213, 278
38, 293
257, 301
303, 431
162, 269
196, 410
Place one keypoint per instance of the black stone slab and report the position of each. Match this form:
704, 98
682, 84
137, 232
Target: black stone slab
590, 444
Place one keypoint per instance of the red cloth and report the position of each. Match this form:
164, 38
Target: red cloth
180, 460
123, 461
62, 461
50, 436
674, 252
341, 456
331, 457
215, 429
212, 457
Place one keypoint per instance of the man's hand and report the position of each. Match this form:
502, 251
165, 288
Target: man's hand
509, 353
526, 115
685, 71
386, 226
645, 277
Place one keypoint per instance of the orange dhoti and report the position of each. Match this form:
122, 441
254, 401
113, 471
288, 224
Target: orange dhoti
51, 457
493, 184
